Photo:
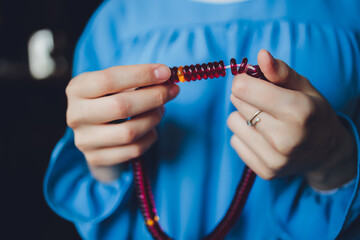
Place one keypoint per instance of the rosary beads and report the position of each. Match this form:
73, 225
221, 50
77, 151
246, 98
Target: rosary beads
142, 184
213, 70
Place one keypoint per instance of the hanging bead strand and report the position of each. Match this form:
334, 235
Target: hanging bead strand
142, 184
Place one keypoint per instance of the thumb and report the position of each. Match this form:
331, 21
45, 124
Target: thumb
279, 73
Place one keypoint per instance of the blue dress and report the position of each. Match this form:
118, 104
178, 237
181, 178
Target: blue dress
193, 169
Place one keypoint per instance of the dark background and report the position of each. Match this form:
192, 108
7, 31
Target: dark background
33, 112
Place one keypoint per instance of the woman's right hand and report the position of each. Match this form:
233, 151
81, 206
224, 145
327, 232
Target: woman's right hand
96, 100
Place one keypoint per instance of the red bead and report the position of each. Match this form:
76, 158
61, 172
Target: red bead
187, 74
222, 68
199, 72
233, 66
210, 70
204, 71
192, 73
242, 65
174, 76
216, 69
258, 72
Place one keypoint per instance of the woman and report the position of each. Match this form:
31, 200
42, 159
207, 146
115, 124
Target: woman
303, 146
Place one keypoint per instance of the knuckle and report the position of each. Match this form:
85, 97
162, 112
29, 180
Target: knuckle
142, 73
104, 81
231, 119
275, 165
308, 111
93, 159
72, 121
285, 75
240, 86
140, 148
69, 88
303, 109
285, 148
79, 142
283, 145
128, 134
136, 151
162, 96
267, 175
234, 143
121, 106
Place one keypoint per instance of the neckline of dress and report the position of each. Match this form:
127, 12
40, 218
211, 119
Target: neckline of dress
220, 1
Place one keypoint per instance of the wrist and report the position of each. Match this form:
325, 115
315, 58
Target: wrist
106, 174
340, 165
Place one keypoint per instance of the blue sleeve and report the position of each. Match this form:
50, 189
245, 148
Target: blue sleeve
69, 188
298, 210
73, 193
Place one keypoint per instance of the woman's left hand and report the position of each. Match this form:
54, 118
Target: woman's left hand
298, 131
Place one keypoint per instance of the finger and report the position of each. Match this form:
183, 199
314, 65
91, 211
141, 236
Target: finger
127, 104
255, 141
262, 94
267, 126
279, 73
281, 135
117, 79
110, 135
250, 158
119, 154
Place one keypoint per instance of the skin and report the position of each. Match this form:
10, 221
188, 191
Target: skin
299, 132
97, 100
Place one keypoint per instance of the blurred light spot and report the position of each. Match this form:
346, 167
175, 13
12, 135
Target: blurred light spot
40, 46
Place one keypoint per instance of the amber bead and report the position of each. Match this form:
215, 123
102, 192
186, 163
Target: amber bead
180, 74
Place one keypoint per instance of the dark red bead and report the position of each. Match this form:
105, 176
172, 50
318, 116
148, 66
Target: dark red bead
204, 71
222, 68
174, 76
233, 66
210, 70
187, 74
250, 70
216, 69
243, 65
192, 72
199, 72
259, 73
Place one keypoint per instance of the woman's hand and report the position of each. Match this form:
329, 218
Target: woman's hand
96, 100
298, 131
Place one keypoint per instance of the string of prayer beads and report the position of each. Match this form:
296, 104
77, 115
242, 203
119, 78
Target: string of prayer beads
213, 70
142, 184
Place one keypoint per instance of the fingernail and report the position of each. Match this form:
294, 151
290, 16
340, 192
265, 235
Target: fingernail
162, 73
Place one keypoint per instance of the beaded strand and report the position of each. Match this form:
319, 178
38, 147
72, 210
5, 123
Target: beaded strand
142, 184
213, 70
